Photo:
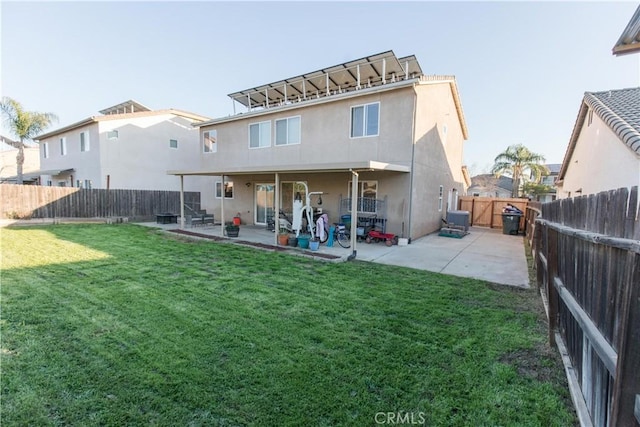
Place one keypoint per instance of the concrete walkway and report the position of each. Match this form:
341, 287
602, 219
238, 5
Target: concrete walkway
484, 254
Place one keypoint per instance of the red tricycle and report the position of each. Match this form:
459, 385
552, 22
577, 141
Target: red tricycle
377, 236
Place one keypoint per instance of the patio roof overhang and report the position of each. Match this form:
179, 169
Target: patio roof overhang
367, 165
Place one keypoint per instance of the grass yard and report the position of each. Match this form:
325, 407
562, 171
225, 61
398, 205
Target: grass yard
124, 325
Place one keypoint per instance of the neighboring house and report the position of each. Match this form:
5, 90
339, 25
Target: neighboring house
549, 180
604, 149
129, 146
376, 121
629, 41
8, 166
487, 185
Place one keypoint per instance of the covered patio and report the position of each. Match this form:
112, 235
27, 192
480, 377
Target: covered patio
352, 170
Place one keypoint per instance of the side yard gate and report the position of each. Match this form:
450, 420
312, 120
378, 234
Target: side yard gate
487, 211
587, 253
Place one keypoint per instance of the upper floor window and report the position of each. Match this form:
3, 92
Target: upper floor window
63, 146
112, 134
84, 141
288, 131
365, 120
45, 150
209, 141
173, 143
260, 135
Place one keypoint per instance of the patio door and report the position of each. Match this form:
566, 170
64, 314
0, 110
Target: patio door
265, 202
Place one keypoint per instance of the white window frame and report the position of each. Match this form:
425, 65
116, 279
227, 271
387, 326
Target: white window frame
360, 195
88, 184
173, 140
112, 134
212, 147
365, 119
440, 198
45, 150
287, 136
261, 133
63, 146
228, 186
84, 145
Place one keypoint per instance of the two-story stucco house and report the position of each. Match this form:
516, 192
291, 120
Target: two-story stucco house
128, 146
604, 149
375, 127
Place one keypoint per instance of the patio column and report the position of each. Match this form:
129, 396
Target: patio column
221, 206
182, 202
276, 213
354, 213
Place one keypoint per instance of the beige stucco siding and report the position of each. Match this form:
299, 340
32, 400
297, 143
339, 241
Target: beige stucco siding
600, 162
432, 152
325, 136
438, 157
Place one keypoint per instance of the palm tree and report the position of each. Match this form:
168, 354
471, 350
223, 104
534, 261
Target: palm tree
515, 162
25, 125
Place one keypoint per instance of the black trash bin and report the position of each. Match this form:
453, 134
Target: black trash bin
511, 223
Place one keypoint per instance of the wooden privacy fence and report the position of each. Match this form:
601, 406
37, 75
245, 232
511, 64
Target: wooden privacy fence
487, 211
587, 252
33, 201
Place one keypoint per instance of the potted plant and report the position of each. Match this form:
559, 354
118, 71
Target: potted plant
231, 229
303, 240
283, 236
314, 244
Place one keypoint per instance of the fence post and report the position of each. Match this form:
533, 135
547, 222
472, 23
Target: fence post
627, 381
552, 272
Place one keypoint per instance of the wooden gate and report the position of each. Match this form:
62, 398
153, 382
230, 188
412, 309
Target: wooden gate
487, 211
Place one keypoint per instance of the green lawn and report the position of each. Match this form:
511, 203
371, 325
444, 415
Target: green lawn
124, 325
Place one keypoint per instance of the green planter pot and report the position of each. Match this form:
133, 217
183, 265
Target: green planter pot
303, 242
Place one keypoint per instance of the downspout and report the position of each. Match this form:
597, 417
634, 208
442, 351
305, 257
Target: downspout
354, 214
221, 206
276, 214
182, 202
413, 159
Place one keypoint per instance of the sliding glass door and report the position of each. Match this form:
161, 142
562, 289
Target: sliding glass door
265, 202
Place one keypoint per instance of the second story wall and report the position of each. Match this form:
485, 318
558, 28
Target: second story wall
77, 149
136, 154
317, 133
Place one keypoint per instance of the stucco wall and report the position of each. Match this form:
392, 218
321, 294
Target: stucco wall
85, 163
438, 157
600, 162
325, 135
325, 139
8, 165
137, 159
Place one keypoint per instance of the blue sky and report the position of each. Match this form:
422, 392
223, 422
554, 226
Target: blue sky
522, 67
